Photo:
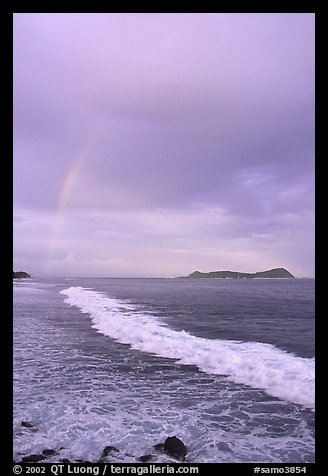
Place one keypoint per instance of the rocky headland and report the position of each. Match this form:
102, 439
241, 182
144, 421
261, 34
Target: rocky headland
20, 275
275, 273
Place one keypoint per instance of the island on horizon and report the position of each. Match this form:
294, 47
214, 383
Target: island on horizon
275, 273
20, 274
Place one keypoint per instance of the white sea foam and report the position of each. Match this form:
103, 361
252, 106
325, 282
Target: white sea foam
263, 366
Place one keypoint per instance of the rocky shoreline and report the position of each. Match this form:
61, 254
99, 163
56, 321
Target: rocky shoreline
172, 447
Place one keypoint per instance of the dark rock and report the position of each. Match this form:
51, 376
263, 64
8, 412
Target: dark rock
159, 447
108, 450
20, 274
27, 424
224, 446
175, 447
49, 452
32, 458
64, 460
145, 458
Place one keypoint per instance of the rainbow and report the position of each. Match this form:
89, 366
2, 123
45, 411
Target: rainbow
68, 185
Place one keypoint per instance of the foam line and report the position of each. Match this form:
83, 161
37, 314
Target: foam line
263, 366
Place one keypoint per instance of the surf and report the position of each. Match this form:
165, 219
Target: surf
262, 366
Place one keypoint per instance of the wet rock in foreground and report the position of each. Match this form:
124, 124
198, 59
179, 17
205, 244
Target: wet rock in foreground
33, 458
49, 452
27, 424
175, 447
145, 458
108, 450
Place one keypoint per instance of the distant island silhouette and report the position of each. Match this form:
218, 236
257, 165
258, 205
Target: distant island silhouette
275, 273
20, 274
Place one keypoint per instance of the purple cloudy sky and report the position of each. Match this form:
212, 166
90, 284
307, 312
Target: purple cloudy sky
158, 144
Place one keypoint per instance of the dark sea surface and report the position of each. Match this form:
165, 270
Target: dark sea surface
225, 365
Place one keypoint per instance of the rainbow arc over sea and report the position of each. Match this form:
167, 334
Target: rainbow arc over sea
68, 184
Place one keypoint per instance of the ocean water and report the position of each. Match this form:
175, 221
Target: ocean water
225, 365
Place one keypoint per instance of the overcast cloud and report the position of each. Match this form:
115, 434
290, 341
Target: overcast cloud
157, 144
